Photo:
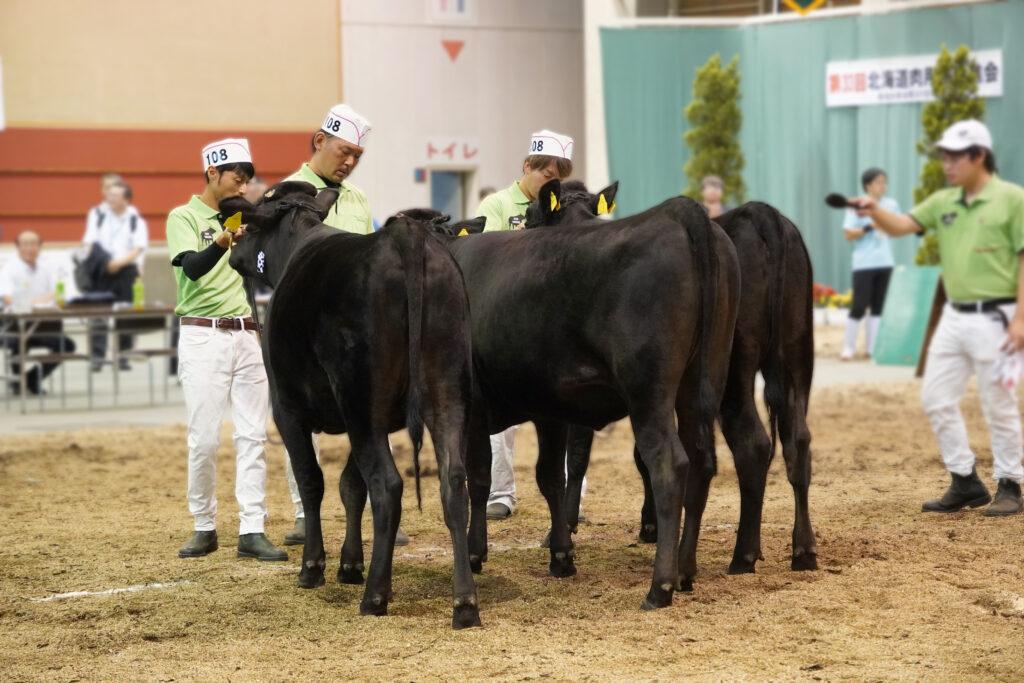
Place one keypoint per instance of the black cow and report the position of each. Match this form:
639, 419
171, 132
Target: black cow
365, 334
774, 335
587, 325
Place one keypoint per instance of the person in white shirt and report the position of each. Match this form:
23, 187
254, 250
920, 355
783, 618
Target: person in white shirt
122, 233
25, 270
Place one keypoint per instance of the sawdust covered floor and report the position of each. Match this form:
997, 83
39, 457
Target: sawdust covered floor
900, 595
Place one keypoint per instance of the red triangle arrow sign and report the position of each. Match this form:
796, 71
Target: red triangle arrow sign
453, 47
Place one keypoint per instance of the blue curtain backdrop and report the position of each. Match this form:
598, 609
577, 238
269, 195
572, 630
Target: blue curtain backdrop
796, 149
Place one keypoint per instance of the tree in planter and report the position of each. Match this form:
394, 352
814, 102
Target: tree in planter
955, 86
715, 120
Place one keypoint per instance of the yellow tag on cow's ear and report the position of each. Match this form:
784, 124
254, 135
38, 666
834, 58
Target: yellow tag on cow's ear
602, 205
462, 233
554, 201
611, 208
233, 223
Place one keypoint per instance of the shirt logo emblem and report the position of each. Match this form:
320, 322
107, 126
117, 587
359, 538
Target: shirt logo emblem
515, 222
948, 218
207, 236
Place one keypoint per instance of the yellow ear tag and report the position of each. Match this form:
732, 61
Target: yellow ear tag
555, 206
602, 205
233, 223
462, 233
611, 208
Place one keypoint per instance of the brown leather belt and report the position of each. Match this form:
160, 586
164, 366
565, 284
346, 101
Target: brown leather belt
221, 323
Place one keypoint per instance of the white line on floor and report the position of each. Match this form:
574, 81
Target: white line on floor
109, 591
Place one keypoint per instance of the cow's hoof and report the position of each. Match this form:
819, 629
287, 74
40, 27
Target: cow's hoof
376, 606
685, 585
562, 565
648, 533
476, 563
466, 615
804, 562
742, 565
657, 598
351, 574
311, 578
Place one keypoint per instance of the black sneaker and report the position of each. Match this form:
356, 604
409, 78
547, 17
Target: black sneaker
260, 547
201, 543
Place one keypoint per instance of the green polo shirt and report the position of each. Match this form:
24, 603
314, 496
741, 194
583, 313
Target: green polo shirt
350, 213
219, 293
978, 244
504, 210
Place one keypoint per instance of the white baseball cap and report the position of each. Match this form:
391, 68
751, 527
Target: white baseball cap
552, 144
227, 151
343, 122
964, 134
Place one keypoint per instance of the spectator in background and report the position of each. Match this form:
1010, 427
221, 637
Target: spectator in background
257, 186
122, 233
107, 182
25, 270
872, 264
711, 188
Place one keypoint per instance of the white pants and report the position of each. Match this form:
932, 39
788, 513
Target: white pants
964, 343
293, 486
503, 476
215, 366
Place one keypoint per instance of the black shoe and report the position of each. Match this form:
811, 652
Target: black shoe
258, 546
1008, 500
96, 365
401, 538
15, 388
201, 543
498, 511
123, 364
297, 536
963, 492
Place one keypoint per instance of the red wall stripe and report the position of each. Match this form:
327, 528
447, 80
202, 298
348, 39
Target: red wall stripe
50, 178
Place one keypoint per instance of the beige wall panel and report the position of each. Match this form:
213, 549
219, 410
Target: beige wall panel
520, 70
261, 64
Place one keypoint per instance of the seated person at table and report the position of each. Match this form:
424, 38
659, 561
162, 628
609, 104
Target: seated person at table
25, 270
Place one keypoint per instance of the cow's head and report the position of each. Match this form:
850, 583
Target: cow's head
568, 203
274, 227
440, 223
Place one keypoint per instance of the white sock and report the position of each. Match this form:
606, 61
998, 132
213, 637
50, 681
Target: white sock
850, 342
872, 332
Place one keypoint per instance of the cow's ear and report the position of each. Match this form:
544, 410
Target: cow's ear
604, 201
239, 211
471, 226
324, 201
549, 198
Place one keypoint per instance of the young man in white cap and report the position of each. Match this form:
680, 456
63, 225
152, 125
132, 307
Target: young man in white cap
219, 358
550, 157
337, 148
979, 221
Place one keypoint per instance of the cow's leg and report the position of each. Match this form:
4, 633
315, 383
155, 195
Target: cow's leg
446, 432
796, 449
352, 490
666, 461
551, 439
648, 519
310, 479
698, 482
751, 451
580, 441
478, 469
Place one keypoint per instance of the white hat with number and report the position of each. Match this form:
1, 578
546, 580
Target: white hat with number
552, 144
964, 134
227, 151
342, 121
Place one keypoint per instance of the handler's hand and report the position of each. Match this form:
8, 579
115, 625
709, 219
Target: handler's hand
1014, 335
113, 266
226, 238
865, 203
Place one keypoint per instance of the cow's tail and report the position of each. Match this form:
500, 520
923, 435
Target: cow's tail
773, 363
705, 263
412, 244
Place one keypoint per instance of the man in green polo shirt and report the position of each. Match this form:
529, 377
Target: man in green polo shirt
219, 358
550, 157
980, 225
337, 148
